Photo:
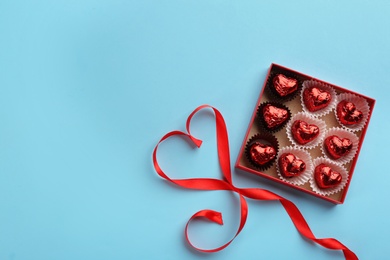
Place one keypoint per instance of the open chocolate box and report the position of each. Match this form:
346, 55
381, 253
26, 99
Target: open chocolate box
306, 133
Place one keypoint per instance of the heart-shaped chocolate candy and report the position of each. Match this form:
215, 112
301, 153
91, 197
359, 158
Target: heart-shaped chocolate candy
337, 147
303, 132
274, 116
261, 154
325, 177
290, 165
284, 86
348, 113
315, 98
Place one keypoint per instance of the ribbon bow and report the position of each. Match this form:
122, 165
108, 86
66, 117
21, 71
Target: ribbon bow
226, 184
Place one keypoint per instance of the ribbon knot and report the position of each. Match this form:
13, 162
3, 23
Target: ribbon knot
226, 184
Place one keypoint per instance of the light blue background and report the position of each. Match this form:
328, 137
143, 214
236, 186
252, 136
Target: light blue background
87, 88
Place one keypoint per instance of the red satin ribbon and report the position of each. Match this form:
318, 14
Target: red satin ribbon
226, 184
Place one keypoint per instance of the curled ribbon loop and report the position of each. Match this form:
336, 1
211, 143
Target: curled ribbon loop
226, 184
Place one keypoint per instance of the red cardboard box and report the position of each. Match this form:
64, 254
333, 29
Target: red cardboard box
295, 106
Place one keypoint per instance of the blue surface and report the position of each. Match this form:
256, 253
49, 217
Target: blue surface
88, 87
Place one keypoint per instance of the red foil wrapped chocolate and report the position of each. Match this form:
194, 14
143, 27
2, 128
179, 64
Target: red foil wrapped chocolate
261, 150
261, 153
348, 114
325, 177
274, 116
337, 147
313, 118
291, 166
284, 86
315, 98
303, 132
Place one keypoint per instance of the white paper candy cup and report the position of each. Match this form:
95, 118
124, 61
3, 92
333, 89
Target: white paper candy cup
335, 167
341, 133
310, 120
361, 104
300, 154
313, 83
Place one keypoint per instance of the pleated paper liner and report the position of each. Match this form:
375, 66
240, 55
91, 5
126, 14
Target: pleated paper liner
341, 133
299, 154
361, 105
322, 86
310, 120
334, 166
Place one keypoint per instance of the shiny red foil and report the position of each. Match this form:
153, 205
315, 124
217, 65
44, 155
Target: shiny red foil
303, 132
274, 116
261, 153
290, 165
325, 177
284, 85
348, 114
316, 98
337, 147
